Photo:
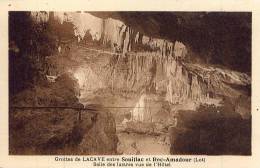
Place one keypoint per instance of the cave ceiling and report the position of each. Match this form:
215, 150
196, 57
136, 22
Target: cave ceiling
221, 38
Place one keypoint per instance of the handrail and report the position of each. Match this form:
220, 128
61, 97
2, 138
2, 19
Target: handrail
68, 107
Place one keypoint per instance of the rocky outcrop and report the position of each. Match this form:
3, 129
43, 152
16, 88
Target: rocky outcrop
49, 119
213, 130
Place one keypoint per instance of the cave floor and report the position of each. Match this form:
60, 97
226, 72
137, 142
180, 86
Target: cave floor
134, 142
143, 144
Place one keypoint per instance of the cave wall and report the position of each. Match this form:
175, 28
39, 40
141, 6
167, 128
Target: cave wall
145, 54
139, 55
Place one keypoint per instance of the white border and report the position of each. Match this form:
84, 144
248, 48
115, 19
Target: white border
128, 5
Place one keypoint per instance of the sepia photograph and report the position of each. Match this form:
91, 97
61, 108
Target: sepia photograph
129, 83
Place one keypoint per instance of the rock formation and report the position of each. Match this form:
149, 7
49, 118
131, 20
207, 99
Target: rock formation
153, 77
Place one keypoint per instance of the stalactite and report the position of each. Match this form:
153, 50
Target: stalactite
123, 39
142, 53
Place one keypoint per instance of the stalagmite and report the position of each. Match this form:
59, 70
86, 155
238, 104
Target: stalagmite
139, 113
